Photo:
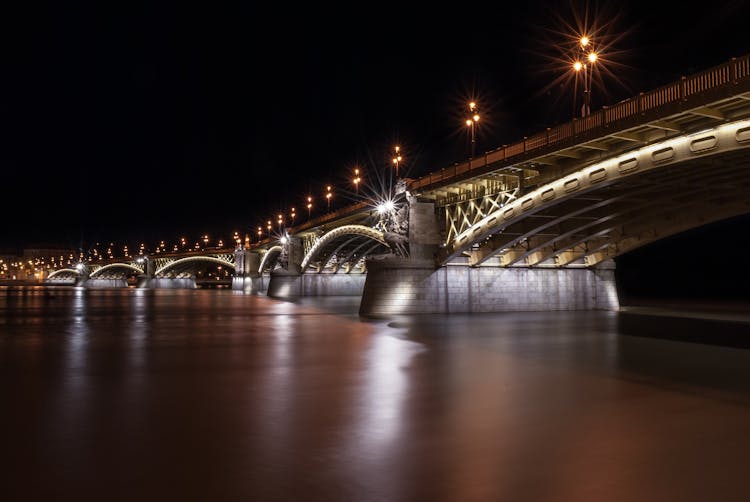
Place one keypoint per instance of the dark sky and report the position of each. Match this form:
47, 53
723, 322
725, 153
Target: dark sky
151, 121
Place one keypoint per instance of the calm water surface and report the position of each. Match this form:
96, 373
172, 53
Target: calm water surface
212, 395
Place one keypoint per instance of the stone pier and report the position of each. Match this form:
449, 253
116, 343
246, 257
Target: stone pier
285, 284
408, 286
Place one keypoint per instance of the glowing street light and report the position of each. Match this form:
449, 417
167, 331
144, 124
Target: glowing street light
281, 221
260, 233
294, 213
471, 122
356, 180
269, 228
397, 158
329, 194
584, 61
309, 206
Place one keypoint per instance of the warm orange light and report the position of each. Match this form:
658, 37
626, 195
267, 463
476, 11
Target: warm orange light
592, 57
584, 41
468, 122
577, 66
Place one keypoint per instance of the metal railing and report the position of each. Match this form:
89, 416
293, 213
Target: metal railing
627, 113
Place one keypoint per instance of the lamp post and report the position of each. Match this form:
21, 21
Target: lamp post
471, 122
397, 158
260, 233
268, 227
356, 180
584, 61
329, 194
309, 206
294, 213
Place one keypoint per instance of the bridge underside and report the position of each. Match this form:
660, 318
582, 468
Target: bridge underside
346, 254
584, 230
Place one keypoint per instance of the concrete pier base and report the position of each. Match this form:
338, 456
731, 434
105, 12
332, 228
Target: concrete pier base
167, 283
289, 285
96, 283
250, 285
408, 286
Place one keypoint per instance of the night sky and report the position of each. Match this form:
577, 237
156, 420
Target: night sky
152, 121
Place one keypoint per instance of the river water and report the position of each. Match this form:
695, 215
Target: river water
212, 395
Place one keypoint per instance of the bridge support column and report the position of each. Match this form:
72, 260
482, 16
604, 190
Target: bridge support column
172, 283
284, 284
97, 282
409, 286
286, 281
424, 236
246, 276
145, 280
83, 277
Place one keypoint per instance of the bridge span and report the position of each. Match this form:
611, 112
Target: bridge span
534, 225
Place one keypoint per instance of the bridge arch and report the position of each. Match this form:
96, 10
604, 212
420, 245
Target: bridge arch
615, 205
269, 259
190, 259
337, 233
64, 271
112, 266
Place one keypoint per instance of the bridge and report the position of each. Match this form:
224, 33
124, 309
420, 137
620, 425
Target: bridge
534, 225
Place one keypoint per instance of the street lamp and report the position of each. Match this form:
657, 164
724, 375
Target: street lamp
471, 123
260, 233
397, 158
309, 206
294, 213
356, 180
328, 196
281, 220
584, 61
269, 228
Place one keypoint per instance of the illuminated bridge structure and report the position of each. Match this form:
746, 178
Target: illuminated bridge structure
534, 225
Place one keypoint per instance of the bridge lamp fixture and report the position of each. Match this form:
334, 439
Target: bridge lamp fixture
309, 206
294, 213
471, 122
283, 239
356, 180
268, 227
397, 158
79, 266
584, 61
329, 194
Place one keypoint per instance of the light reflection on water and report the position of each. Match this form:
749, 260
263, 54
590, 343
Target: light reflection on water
212, 395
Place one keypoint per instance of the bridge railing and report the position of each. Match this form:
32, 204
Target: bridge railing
627, 113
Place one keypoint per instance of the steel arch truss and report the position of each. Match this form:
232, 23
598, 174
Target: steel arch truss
64, 273
270, 259
465, 207
617, 205
167, 267
115, 270
344, 248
